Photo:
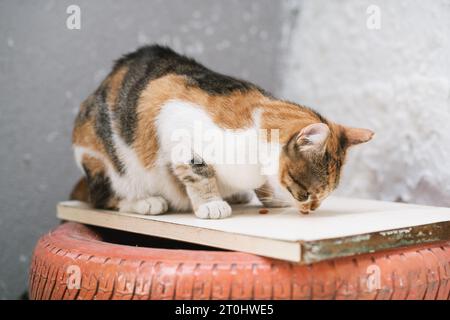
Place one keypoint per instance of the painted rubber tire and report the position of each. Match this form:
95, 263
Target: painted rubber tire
73, 262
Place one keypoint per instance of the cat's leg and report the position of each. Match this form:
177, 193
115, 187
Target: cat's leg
102, 196
268, 197
151, 205
240, 197
201, 187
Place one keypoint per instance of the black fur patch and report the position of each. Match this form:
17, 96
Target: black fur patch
200, 168
203, 170
343, 141
100, 191
104, 130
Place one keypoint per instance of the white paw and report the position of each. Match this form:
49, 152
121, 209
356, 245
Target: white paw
214, 210
152, 206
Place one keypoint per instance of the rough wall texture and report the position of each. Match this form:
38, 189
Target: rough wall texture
394, 80
46, 70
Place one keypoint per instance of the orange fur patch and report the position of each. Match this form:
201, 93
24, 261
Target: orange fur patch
233, 111
84, 135
94, 165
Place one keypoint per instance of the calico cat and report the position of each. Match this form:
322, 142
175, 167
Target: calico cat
123, 141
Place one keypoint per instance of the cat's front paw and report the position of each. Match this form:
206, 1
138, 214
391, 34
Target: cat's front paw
213, 210
150, 206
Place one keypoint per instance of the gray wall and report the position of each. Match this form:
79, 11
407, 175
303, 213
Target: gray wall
46, 70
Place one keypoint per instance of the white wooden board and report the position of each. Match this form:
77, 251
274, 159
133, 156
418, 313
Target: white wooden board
284, 233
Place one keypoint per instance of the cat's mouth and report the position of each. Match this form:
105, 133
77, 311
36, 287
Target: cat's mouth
310, 205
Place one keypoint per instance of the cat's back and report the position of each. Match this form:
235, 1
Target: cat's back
151, 62
155, 61
126, 105
113, 105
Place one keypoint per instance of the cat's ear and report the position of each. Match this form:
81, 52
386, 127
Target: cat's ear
357, 135
313, 138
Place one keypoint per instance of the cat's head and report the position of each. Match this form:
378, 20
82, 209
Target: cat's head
311, 162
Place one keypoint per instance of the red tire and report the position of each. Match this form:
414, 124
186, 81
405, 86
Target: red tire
73, 262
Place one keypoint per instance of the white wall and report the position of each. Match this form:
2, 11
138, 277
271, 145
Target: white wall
394, 80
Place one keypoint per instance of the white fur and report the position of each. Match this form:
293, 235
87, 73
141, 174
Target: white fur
214, 210
232, 178
141, 187
137, 183
151, 205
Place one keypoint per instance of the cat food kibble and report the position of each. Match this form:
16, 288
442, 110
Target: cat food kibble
263, 211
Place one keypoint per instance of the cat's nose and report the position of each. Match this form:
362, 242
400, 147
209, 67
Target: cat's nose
304, 208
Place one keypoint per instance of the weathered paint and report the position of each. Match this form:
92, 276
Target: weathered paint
334, 248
